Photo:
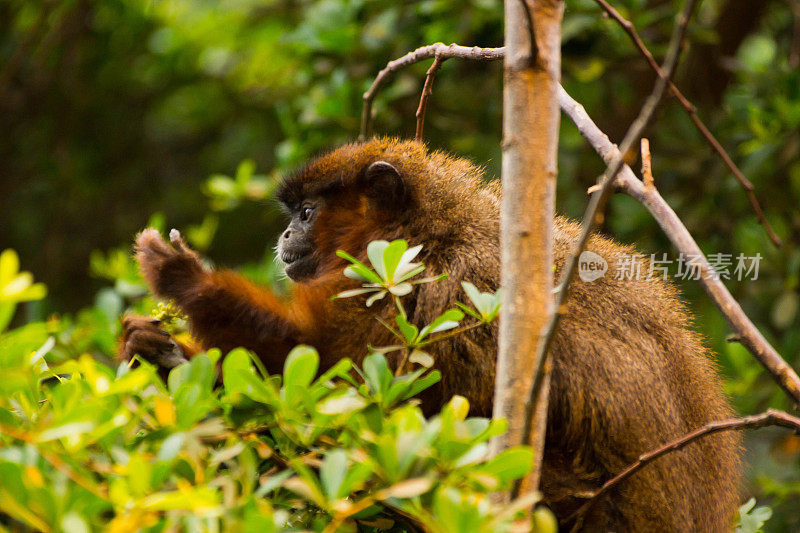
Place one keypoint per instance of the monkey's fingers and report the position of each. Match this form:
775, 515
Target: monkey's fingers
132, 323
150, 244
177, 241
154, 348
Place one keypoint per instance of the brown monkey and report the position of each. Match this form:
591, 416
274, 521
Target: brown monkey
628, 373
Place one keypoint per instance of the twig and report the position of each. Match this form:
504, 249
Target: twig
647, 165
630, 29
626, 181
598, 201
420, 54
426, 93
771, 417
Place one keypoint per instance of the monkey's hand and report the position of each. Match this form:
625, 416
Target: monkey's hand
144, 336
171, 269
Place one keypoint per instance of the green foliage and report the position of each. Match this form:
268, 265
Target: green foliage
83, 448
226, 193
392, 273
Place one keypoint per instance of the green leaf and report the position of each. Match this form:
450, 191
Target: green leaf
401, 385
72, 430
408, 488
332, 473
9, 266
271, 483
474, 455
345, 402
340, 369
355, 292
447, 320
377, 373
408, 257
421, 358
358, 270
410, 270
408, 330
472, 293
234, 364
177, 377
259, 390
6, 313
300, 367
423, 383
751, 519
245, 171
392, 256
401, 289
468, 310
487, 304
375, 251
375, 297
510, 464
357, 475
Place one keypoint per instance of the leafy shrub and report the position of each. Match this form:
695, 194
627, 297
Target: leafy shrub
84, 447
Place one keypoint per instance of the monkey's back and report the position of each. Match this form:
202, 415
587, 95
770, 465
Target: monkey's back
628, 375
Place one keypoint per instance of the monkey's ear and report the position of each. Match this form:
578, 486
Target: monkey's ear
384, 185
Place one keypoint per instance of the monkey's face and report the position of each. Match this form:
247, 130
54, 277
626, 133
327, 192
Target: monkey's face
332, 210
295, 245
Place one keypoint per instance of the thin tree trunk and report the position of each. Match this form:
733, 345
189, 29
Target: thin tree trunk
530, 143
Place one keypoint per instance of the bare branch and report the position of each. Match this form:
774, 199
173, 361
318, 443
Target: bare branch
630, 29
626, 181
421, 54
771, 417
426, 93
598, 201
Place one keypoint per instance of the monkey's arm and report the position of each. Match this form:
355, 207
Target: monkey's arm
225, 310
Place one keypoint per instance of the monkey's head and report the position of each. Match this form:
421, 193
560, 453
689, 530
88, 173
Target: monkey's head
379, 189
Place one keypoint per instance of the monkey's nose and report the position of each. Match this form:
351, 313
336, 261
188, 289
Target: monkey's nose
286, 234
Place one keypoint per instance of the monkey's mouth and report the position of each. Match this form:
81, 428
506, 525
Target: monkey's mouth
291, 257
300, 264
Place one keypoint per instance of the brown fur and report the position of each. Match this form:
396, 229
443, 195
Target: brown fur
628, 373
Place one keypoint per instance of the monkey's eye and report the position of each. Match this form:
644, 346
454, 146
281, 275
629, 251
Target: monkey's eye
305, 213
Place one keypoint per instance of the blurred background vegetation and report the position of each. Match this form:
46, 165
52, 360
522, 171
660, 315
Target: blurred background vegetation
119, 113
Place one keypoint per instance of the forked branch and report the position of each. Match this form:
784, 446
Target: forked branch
691, 110
440, 50
674, 229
